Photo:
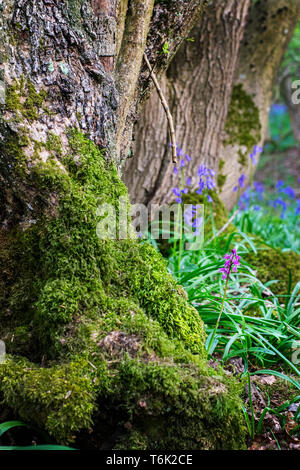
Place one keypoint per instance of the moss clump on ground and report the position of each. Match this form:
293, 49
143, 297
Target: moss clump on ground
99, 334
243, 125
272, 264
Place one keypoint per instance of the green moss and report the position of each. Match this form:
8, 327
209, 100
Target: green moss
243, 125
272, 264
24, 101
106, 327
61, 398
221, 177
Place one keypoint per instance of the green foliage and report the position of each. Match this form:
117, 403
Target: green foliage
105, 326
62, 398
260, 320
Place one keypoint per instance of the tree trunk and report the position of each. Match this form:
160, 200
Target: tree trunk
208, 129
269, 30
98, 334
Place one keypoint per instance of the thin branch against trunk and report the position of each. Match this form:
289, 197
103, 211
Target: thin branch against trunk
166, 108
130, 59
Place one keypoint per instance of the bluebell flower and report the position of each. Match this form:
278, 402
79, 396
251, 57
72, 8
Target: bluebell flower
242, 180
259, 188
176, 170
188, 158
189, 181
210, 183
182, 163
297, 212
178, 192
209, 198
255, 152
289, 192
278, 108
201, 186
202, 171
279, 185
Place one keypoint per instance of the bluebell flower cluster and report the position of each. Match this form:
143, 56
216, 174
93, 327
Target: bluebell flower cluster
285, 199
256, 151
191, 219
259, 189
287, 190
178, 193
206, 177
241, 183
206, 181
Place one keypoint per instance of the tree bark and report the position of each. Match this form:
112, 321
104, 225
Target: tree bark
200, 97
198, 86
291, 99
99, 336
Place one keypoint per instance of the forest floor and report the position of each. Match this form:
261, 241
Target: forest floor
282, 165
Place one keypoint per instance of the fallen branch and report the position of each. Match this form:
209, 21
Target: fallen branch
166, 108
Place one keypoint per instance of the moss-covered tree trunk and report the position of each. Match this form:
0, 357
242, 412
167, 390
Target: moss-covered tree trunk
219, 87
99, 336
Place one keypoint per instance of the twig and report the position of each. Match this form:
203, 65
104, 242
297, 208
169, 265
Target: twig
224, 227
166, 108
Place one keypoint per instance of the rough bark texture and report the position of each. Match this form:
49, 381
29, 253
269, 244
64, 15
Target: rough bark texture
198, 86
99, 336
269, 30
211, 130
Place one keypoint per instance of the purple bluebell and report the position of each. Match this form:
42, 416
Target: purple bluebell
202, 171
189, 181
201, 186
232, 262
242, 180
279, 185
188, 158
289, 192
259, 188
